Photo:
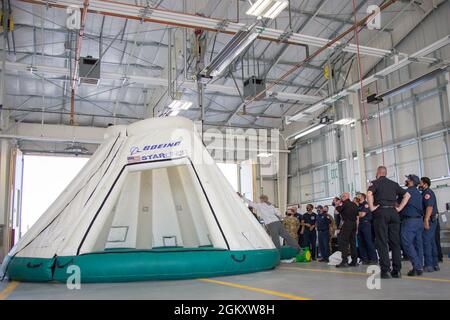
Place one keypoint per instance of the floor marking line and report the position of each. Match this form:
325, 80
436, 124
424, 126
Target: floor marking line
265, 291
8, 289
365, 274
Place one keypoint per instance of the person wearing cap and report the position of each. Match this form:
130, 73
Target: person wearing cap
365, 238
382, 198
412, 226
429, 224
323, 224
309, 230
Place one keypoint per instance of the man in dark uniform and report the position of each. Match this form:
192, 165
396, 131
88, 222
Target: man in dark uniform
429, 224
365, 237
309, 230
382, 198
323, 232
348, 212
412, 226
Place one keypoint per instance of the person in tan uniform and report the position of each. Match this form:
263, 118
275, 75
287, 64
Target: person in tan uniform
291, 224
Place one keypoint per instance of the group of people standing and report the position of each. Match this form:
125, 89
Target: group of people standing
405, 220
311, 228
387, 219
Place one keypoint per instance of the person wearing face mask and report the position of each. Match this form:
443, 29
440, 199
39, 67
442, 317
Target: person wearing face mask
429, 224
365, 242
323, 223
291, 224
309, 230
412, 226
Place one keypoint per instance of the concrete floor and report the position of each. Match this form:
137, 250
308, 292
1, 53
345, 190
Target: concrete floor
288, 281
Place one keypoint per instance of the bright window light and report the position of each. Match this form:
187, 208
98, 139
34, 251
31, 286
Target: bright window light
230, 171
310, 130
44, 178
267, 8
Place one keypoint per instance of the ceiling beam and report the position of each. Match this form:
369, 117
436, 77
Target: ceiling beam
146, 14
159, 82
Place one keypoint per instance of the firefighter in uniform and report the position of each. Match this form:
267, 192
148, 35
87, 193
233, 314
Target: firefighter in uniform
348, 212
365, 237
429, 224
412, 226
309, 230
323, 224
382, 198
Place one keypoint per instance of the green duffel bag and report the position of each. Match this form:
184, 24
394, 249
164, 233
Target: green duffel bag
304, 256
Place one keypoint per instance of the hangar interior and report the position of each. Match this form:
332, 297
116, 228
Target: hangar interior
331, 89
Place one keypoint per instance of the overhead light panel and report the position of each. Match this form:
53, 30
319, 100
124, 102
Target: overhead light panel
180, 105
264, 155
176, 106
432, 75
241, 40
310, 130
267, 8
345, 121
174, 113
76, 149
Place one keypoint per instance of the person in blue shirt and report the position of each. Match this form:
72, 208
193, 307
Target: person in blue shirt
429, 224
365, 237
308, 230
412, 226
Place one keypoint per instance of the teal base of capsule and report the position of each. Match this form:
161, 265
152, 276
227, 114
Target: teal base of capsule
287, 252
134, 265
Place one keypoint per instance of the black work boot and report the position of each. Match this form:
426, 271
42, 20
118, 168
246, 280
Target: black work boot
342, 265
385, 275
414, 273
396, 274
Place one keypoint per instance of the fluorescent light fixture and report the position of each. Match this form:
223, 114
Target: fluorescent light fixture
241, 40
180, 105
264, 154
76, 149
267, 8
309, 130
345, 121
174, 113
